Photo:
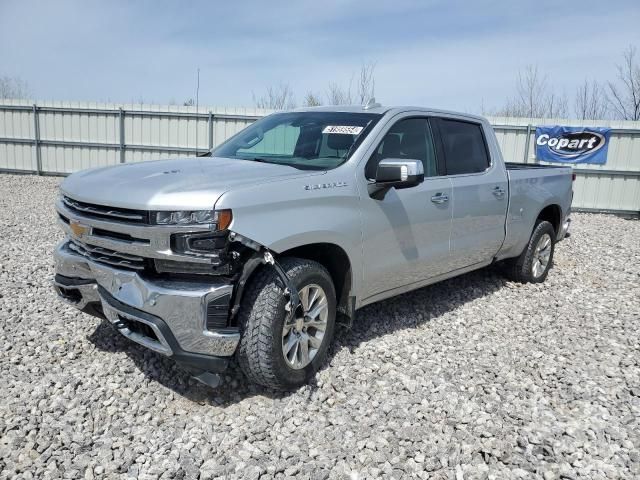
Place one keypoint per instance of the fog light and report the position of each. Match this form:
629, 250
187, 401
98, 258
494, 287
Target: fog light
172, 266
208, 244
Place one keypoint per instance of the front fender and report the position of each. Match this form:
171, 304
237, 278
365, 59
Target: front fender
287, 214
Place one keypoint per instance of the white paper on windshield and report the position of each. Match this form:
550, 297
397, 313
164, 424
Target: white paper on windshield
343, 129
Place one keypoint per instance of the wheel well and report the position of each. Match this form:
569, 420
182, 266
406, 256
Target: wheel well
336, 261
551, 214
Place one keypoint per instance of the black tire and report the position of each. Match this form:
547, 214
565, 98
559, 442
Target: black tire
521, 269
261, 319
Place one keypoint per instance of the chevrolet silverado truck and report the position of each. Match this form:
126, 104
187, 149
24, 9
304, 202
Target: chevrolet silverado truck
256, 250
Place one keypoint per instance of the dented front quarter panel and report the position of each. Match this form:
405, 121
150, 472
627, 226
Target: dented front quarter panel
322, 207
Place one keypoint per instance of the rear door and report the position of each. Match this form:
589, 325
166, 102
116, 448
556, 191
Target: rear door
406, 234
480, 192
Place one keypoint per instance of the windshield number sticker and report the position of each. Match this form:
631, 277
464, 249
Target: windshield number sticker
343, 129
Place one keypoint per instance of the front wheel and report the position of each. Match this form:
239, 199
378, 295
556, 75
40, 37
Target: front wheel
534, 262
276, 349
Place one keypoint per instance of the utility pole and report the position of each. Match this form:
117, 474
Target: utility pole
197, 105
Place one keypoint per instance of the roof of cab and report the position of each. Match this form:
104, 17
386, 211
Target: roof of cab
381, 110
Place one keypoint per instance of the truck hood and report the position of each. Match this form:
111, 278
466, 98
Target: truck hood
181, 184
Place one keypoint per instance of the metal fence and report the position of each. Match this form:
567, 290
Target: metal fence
57, 138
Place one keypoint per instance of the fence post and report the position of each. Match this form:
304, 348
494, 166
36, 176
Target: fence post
527, 144
36, 140
210, 128
122, 145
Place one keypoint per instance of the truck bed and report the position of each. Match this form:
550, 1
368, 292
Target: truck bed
531, 187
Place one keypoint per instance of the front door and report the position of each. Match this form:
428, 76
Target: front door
406, 234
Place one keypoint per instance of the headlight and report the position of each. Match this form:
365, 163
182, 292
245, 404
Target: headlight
184, 217
221, 219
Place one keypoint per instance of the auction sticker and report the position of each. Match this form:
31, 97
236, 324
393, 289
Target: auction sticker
343, 129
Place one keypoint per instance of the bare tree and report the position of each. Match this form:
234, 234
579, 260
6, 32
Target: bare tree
624, 94
312, 100
531, 91
533, 98
366, 83
337, 95
556, 106
276, 98
365, 88
13, 88
590, 101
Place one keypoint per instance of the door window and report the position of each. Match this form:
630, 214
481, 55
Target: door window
464, 147
409, 139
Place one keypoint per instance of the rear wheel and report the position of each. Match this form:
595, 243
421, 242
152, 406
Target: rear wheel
279, 350
534, 262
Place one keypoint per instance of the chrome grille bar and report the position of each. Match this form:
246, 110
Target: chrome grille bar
103, 211
110, 257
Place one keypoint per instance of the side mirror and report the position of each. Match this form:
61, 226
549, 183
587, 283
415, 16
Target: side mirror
396, 173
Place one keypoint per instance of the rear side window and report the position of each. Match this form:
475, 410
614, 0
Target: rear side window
464, 147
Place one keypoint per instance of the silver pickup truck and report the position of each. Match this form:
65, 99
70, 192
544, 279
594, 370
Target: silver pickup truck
256, 250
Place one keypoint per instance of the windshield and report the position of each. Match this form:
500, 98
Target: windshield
306, 140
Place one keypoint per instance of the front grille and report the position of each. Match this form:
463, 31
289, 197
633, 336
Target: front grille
108, 257
125, 237
106, 213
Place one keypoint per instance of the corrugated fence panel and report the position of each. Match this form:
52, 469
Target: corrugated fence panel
69, 159
607, 192
512, 144
17, 124
64, 137
17, 156
137, 155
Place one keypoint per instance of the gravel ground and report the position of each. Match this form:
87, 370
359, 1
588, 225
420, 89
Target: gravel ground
476, 377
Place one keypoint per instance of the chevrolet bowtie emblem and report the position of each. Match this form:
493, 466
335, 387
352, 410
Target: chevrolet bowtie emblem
78, 229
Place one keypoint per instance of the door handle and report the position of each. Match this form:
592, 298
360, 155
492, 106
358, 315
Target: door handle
440, 198
499, 192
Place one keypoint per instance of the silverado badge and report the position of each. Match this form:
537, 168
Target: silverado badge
318, 186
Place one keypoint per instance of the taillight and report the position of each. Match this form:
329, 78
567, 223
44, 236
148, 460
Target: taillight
573, 177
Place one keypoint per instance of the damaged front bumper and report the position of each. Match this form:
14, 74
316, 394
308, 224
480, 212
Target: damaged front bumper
184, 320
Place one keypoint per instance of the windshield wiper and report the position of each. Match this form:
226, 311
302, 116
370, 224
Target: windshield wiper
260, 160
273, 162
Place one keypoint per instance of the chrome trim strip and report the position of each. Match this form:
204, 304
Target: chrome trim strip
75, 205
104, 251
98, 254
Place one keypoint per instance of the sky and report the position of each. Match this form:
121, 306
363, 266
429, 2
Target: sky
445, 54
